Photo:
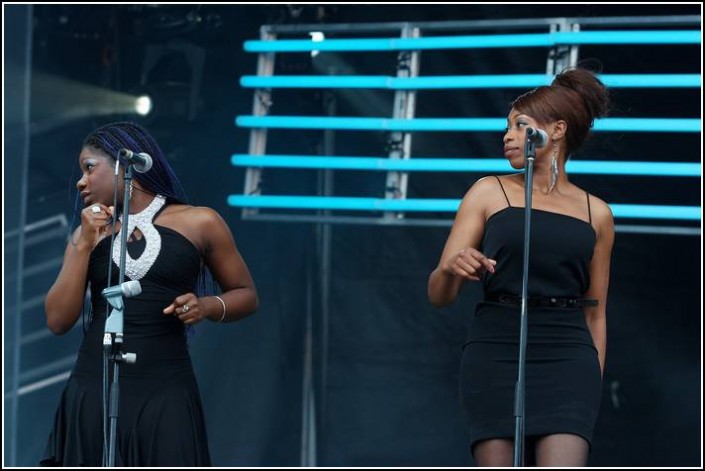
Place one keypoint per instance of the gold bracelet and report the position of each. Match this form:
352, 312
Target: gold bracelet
222, 318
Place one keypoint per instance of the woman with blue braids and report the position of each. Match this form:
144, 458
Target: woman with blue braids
170, 244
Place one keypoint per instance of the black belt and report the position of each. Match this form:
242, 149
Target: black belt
542, 301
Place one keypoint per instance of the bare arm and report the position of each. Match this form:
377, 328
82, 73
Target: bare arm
460, 259
228, 269
596, 317
65, 297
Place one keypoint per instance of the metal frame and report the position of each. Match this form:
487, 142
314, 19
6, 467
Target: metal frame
559, 57
399, 142
262, 101
536, 23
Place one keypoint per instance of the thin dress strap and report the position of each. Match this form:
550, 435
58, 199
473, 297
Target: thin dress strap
589, 212
502, 187
156, 215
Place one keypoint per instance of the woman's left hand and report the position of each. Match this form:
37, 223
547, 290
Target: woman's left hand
186, 307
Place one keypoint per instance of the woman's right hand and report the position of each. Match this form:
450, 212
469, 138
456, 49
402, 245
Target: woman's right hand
94, 224
469, 263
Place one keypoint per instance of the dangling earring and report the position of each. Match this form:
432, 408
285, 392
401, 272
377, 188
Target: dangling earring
130, 189
554, 167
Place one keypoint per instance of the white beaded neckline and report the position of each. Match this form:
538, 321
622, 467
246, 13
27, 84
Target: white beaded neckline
137, 268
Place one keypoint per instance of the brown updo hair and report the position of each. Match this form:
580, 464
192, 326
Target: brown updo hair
575, 96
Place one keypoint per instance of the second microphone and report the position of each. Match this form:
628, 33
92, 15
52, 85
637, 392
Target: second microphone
141, 162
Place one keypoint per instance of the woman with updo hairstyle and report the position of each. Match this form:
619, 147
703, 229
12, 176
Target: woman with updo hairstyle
572, 233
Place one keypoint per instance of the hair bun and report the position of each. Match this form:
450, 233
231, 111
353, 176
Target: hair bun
586, 84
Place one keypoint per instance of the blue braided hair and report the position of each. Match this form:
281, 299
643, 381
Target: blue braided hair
160, 178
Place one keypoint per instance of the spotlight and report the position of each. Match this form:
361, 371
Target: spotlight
143, 105
164, 103
79, 100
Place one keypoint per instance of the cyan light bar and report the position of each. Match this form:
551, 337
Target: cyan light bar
453, 124
478, 41
436, 205
460, 81
342, 203
652, 80
648, 124
657, 169
662, 169
646, 211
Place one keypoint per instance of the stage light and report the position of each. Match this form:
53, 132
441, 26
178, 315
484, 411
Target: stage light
143, 105
79, 100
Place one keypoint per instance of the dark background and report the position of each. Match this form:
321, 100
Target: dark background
387, 390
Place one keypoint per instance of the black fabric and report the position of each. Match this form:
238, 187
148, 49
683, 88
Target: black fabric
161, 419
563, 383
587, 195
552, 301
559, 255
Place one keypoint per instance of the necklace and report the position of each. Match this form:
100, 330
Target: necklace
137, 268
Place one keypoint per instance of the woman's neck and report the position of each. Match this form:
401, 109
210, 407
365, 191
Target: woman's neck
140, 199
543, 181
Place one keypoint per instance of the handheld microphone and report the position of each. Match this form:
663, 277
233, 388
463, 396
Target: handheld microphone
141, 162
537, 136
128, 289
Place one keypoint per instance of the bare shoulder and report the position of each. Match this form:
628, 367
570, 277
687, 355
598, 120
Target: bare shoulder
486, 196
483, 189
204, 216
599, 208
601, 214
197, 222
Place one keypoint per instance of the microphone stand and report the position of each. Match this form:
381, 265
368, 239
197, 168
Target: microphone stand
520, 390
113, 336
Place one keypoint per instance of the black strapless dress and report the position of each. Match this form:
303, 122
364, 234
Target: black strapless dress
160, 415
563, 382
